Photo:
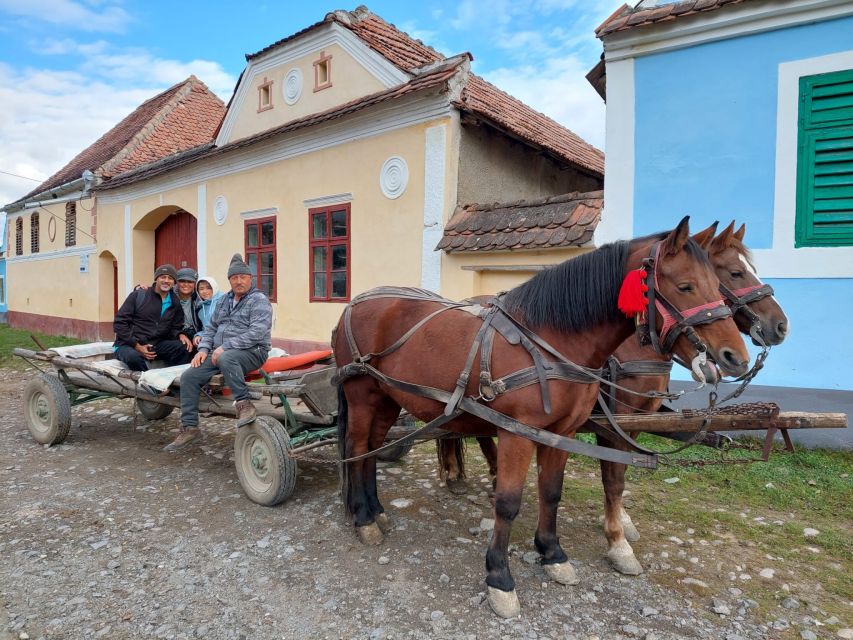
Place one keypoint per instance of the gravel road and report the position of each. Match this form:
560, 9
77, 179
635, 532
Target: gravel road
107, 536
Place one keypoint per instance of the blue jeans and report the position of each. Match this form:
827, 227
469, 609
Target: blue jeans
234, 364
171, 352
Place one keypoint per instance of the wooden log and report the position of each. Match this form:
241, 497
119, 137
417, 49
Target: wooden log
669, 422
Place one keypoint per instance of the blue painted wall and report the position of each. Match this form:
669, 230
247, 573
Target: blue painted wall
705, 128
817, 353
705, 145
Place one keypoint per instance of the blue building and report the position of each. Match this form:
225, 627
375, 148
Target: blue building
743, 109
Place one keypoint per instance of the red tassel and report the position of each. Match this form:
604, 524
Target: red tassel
632, 295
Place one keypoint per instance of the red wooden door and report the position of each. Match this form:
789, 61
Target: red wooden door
175, 241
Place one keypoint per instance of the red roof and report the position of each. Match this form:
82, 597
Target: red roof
177, 119
626, 17
567, 220
479, 98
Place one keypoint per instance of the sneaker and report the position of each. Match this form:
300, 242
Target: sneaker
185, 437
245, 412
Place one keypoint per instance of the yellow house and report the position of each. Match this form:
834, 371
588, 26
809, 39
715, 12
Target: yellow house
349, 153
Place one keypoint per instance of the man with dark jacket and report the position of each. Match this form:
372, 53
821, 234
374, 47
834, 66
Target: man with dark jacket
149, 324
235, 341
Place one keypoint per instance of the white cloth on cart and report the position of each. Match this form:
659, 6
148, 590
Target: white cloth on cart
84, 350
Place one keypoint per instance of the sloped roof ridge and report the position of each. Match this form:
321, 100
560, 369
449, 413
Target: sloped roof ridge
627, 17
441, 74
90, 158
534, 202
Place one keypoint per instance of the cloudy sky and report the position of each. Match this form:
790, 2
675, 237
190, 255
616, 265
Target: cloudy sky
71, 69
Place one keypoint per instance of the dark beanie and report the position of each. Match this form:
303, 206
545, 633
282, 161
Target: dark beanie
166, 270
187, 274
237, 266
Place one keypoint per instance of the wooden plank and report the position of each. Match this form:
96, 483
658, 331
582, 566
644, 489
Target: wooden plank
669, 422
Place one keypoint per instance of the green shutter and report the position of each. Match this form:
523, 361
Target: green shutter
825, 161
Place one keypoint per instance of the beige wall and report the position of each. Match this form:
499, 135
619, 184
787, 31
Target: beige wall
495, 168
349, 81
387, 235
49, 282
475, 274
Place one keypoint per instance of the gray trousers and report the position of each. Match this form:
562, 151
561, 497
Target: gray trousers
234, 365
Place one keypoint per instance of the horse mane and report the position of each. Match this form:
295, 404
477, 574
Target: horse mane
580, 293
576, 294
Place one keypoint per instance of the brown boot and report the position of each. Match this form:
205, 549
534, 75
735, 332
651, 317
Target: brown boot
186, 436
245, 413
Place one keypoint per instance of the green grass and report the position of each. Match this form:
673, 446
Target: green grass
746, 510
18, 338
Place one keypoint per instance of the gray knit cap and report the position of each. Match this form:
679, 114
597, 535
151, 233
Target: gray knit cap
166, 270
237, 266
187, 273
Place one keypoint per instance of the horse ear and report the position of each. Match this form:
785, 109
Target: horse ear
704, 237
677, 238
725, 238
741, 232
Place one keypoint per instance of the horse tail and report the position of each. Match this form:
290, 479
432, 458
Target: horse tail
343, 468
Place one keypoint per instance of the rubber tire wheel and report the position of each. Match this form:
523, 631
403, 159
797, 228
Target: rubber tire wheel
267, 474
396, 453
153, 410
47, 409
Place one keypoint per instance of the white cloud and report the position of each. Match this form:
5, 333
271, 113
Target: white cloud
69, 14
558, 89
49, 116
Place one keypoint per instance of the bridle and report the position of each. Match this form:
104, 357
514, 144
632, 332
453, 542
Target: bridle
675, 322
739, 301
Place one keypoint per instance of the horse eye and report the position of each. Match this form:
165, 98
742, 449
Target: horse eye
736, 274
685, 287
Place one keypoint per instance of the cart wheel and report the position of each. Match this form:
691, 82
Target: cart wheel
47, 409
153, 410
267, 474
396, 453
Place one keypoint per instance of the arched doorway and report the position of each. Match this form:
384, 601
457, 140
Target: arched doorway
175, 240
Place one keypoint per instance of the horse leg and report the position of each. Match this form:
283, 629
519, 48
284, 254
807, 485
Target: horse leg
514, 455
385, 416
551, 466
490, 453
618, 527
451, 464
357, 429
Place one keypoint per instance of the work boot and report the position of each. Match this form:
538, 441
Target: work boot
245, 413
186, 436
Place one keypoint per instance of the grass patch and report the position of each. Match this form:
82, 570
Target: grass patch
19, 338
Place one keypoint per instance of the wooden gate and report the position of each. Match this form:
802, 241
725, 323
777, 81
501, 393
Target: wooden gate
175, 241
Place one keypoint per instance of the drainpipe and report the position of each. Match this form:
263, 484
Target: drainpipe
59, 194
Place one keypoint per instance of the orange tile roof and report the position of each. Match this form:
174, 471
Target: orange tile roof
431, 79
626, 17
180, 117
567, 220
480, 98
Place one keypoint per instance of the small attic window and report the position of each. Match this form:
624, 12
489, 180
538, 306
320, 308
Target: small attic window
265, 95
322, 72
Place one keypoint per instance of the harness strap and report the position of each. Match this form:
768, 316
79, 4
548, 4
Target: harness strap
505, 422
462, 381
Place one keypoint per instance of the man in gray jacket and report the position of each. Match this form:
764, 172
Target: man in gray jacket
236, 340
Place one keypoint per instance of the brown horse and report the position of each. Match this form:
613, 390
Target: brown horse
761, 317
573, 307
756, 313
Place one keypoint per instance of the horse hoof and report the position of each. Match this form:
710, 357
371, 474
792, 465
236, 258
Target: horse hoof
562, 572
370, 534
383, 520
625, 563
630, 531
457, 487
504, 603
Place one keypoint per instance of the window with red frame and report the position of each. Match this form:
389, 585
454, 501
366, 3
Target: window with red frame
329, 237
260, 254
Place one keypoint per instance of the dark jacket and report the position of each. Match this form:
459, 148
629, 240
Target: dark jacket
194, 325
138, 320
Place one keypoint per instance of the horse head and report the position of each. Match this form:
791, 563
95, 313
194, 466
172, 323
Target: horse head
686, 313
755, 310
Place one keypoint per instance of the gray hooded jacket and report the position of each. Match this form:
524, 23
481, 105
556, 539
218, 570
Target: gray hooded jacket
247, 325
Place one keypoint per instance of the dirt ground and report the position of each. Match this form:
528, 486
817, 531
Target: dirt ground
107, 536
